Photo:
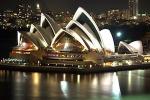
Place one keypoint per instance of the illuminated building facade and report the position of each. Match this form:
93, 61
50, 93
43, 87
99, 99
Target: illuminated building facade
80, 40
135, 47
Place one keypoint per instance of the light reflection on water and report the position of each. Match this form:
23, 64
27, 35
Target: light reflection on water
43, 86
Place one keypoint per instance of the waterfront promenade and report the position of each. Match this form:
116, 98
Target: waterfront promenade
73, 69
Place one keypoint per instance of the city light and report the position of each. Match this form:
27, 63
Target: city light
134, 17
62, 54
66, 46
119, 34
38, 6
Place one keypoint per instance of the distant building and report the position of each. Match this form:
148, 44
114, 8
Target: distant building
125, 14
146, 42
38, 9
133, 7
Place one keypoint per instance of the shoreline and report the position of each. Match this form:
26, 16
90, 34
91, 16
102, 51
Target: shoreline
73, 70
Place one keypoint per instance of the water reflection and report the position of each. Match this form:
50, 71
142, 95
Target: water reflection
35, 84
64, 88
134, 82
105, 86
116, 87
95, 81
129, 80
36, 78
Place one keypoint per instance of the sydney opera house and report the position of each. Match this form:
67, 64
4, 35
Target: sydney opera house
79, 42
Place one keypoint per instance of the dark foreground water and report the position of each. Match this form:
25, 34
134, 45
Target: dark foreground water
127, 85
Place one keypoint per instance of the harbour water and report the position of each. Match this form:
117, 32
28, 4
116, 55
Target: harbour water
125, 85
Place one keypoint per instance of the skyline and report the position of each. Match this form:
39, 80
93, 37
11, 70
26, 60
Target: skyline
96, 6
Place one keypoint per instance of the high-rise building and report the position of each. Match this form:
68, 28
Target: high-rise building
133, 8
38, 10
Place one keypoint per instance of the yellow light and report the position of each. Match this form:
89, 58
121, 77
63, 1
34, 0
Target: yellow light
35, 78
24, 44
66, 45
78, 79
134, 17
64, 77
95, 82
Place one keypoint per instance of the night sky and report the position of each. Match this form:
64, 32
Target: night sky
96, 6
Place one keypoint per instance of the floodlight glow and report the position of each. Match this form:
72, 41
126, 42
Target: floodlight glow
24, 44
71, 33
119, 34
134, 17
66, 45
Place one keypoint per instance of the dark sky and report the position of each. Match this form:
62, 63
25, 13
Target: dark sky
96, 6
